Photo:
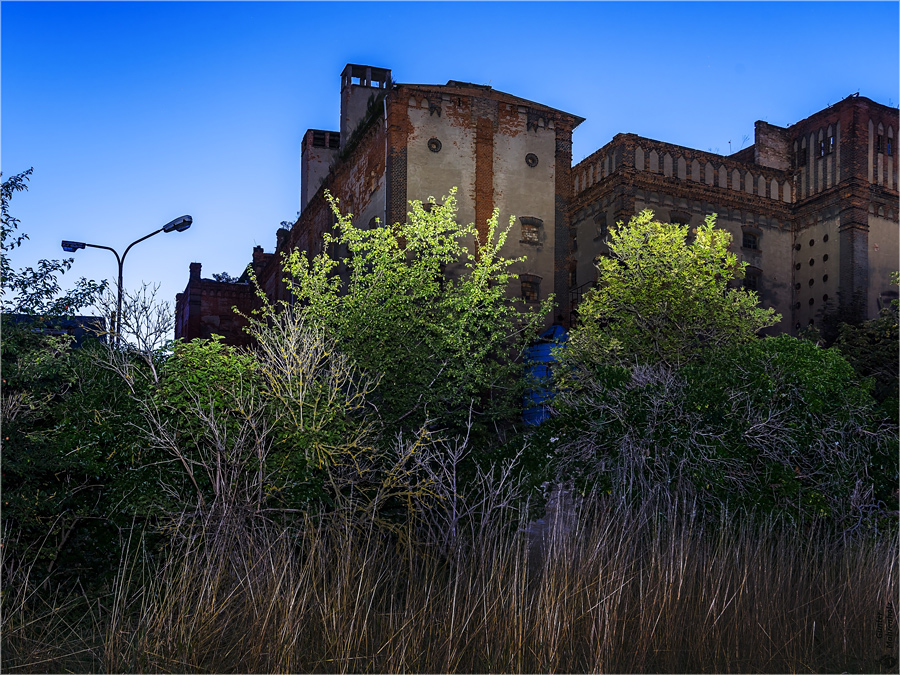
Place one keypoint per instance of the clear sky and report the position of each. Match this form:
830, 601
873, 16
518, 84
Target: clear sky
134, 113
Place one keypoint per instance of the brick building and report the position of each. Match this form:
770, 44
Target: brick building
813, 208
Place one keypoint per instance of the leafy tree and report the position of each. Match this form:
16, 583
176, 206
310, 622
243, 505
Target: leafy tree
411, 304
871, 347
777, 425
661, 298
45, 488
35, 290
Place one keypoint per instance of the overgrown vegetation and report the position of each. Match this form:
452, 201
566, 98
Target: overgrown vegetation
356, 492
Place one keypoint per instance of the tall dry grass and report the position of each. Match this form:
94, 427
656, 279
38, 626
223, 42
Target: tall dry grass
610, 589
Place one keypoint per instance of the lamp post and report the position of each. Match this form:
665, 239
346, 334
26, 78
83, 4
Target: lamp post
177, 225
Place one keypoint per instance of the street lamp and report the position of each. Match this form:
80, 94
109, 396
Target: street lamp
177, 225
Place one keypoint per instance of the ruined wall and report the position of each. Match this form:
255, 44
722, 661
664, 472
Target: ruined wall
207, 307
318, 153
499, 154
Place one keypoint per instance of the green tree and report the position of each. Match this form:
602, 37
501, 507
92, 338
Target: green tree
35, 290
777, 425
661, 298
411, 303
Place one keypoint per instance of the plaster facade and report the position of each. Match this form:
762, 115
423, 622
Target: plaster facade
812, 208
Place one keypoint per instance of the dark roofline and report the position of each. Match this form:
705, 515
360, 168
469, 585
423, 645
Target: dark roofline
852, 98
453, 85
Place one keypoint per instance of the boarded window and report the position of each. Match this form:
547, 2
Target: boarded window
531, 229
531, 287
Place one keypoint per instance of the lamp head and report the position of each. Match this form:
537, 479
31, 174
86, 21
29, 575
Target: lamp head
72, 246
178, 225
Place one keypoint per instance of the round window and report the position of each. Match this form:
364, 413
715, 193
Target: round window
434, 145
531, 159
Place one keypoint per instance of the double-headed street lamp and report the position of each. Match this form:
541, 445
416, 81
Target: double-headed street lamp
177, 225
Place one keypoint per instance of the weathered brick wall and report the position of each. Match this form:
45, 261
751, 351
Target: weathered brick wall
207, 307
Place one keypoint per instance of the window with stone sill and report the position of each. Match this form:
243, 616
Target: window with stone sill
531, 229
750, 241
531, 287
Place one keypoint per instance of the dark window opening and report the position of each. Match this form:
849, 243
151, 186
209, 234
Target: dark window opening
822, 148
531, 288
751, 281
825, 258
829, 145
890, 146
825, 238
879, 143
600, 225
750, 241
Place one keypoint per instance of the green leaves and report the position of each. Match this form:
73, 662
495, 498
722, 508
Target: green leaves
416, 305
662, 299
36, 290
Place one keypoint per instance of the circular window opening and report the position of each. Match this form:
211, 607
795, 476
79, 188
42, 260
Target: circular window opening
825, 238
812, 301
797, 326
825, 298
812, 241
825, 258
812, 261
434, 145
797, 306
825, 278
797, 247
812, 281
797, 286
797, 266
531, 159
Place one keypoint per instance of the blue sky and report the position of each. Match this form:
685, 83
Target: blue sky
134, 113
